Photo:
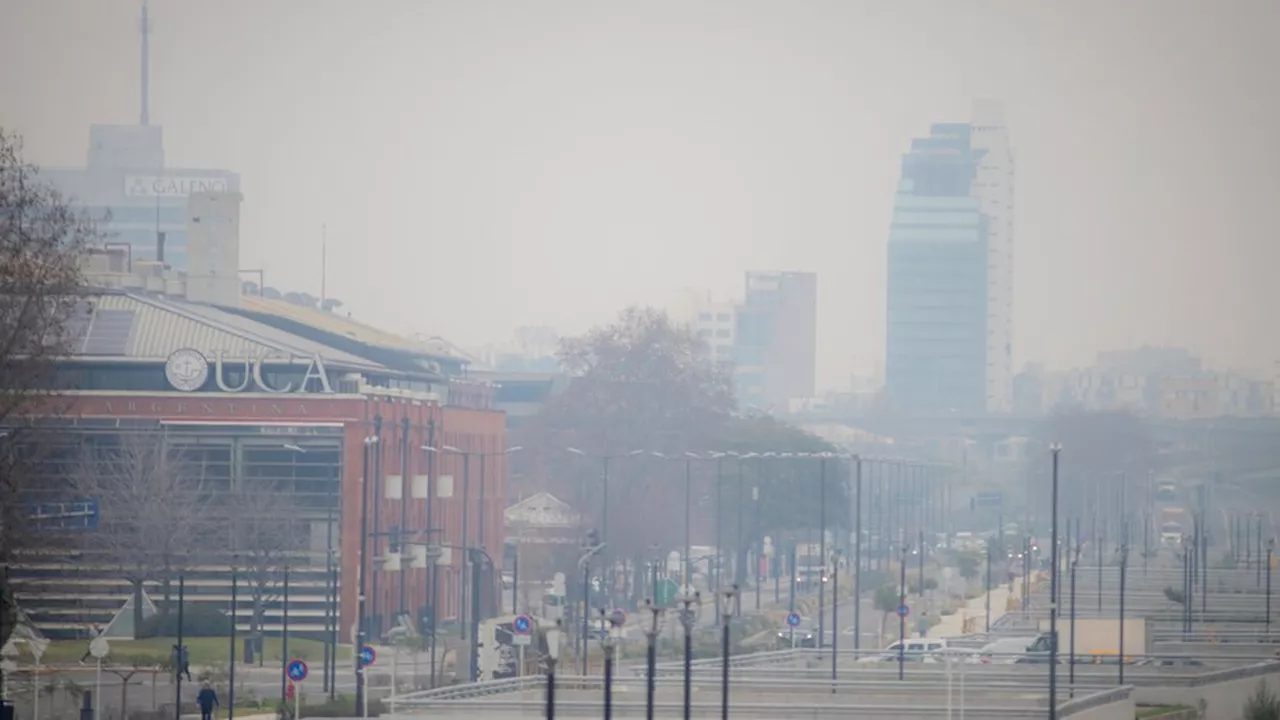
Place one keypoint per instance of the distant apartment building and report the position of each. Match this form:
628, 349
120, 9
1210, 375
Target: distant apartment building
1168, 383
950, 271
775, 341
769, 337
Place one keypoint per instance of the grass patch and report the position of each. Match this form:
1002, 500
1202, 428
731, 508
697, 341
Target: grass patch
204, 651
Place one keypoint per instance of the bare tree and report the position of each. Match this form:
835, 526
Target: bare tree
41, 243
265, 536
153, 510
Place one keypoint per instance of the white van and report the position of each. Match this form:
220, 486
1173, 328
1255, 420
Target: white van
917, 650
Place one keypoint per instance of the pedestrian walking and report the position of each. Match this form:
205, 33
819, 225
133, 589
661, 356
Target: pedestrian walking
207, 700
181, 658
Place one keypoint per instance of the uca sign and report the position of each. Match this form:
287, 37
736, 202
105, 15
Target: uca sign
187, 370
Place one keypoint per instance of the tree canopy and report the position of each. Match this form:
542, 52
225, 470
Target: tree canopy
41, 243
648, 400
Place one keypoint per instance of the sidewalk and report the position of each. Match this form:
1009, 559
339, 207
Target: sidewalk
974, 610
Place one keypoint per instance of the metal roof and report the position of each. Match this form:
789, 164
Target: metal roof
346, 327
140, 327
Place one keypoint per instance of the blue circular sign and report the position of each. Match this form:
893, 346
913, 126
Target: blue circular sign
903, 611
522, 625
367, 655
297, 670
793, 618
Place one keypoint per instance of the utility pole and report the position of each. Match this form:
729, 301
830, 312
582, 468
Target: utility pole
1056, 449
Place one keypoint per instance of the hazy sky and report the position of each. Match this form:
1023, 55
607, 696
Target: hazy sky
483, 164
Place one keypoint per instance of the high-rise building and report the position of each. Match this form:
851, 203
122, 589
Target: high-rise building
775, 340
125, 186
950, 274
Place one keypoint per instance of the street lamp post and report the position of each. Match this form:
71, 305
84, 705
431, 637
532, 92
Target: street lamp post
726, 614
987, 589
553, 655
822, 545
902, 603
591, 547
651, 659
610, 644
688, 618
1271, 546
370, 442
835, 617
1056, 449
1124, 567
857, 550
467, 568
1075, 560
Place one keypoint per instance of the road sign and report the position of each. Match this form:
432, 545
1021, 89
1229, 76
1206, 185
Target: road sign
619, 617
367, 655
666, 592
793, 618
522, 625
903, 611
297, 669
521, 640
99, 648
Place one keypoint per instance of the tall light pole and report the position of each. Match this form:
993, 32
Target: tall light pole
370, 442
1124, 567
1271, 546
604, 483
902, 603
1056, 449
857, 551
1075, 560
468, 567
822, 544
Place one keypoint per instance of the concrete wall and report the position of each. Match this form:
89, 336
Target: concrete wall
1117, 704
1224, 693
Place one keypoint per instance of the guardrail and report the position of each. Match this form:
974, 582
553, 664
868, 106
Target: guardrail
738, 709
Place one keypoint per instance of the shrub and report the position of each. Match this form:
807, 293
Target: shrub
197, 621
1263, 705
342, 707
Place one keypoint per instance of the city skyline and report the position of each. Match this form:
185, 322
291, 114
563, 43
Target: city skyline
1132, 235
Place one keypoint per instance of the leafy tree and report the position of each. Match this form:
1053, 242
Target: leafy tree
887, 599
969, 563
42, 241
643, 382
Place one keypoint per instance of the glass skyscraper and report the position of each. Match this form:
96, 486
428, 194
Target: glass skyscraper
950, 272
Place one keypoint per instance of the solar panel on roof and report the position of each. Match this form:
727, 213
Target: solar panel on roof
76, 328
109, 332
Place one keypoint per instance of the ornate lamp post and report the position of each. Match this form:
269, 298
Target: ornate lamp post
651, 631
726, 614
553, 655
692, 608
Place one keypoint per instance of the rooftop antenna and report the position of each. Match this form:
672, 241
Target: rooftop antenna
324, 257
145, 28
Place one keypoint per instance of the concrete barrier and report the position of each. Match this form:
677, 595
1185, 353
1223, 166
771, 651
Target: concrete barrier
1223, 693
1115, 704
